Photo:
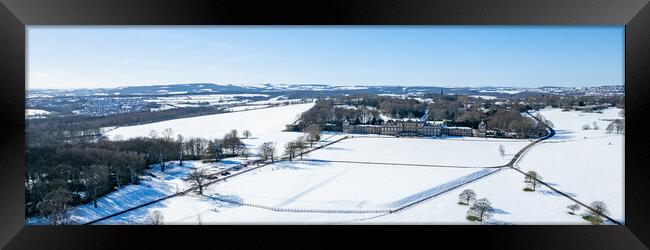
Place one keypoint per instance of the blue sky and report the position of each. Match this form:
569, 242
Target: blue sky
460, 56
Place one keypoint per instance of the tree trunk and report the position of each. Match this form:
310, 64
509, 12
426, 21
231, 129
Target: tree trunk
181, 163
162, 165
95, 201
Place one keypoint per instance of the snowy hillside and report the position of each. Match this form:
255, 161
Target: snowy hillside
265, 125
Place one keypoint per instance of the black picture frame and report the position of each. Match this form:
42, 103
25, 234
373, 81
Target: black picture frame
634, 14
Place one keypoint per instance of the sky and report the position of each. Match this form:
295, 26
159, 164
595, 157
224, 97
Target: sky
60, 57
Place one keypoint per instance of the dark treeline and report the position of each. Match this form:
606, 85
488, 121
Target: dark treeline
86, 170
569, 102
391, 106
71, 174
81, 128
326, 114
69, 163
502, 116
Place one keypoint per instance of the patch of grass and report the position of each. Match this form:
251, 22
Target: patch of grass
527, 189
593, 220
472, 218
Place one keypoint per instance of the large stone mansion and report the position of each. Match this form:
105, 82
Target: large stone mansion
413, 128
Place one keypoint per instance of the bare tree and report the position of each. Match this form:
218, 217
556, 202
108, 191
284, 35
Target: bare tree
55, 205
267, 151
620, 125
180, 142
153, 134
290, 150
610, 128
234, 133
481, 209
96, 179
247, 133
313, 133
168, 133
532, 178
155, 218
573, 208
232, 143
599, 209
300, 145
466, 197
198, 178
502, 151
245, 152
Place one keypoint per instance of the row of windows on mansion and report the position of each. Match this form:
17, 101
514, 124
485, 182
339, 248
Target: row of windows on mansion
414, 128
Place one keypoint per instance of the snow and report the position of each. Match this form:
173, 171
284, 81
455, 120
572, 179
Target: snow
246, 107
304, 185
472, 152
327, 185
504, 191
586, 169
212, 99
31, 112
590, 168
505, 91
485, 97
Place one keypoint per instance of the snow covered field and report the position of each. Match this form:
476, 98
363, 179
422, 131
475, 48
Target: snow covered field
470, 152
371, 189
212, 99
504, 190
326, 185
266, 125
30, 112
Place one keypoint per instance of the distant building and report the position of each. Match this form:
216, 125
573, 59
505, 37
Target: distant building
481, 131
408, 128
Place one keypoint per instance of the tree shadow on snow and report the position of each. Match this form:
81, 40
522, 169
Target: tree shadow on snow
314, 162
500, 211
336, 148
229, 162
553, 193
288, 165
551, 183
562, 135
226, 200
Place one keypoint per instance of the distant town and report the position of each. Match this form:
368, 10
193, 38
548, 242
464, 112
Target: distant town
103, 102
